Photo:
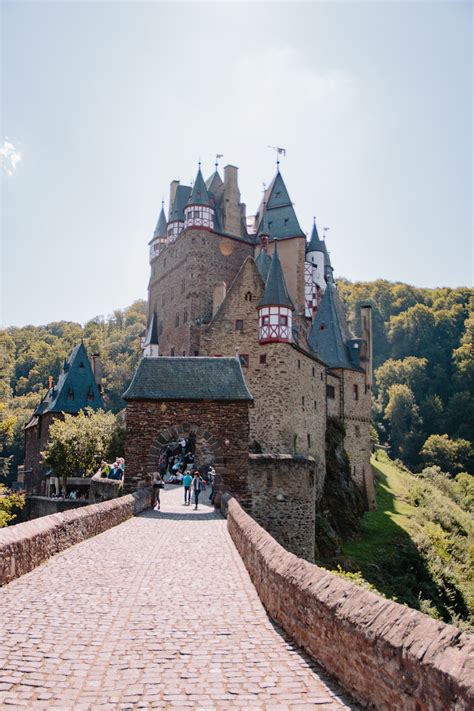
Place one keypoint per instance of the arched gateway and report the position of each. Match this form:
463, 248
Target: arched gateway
205, 398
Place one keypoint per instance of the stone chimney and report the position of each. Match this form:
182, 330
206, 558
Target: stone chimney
218, 296
173, 188
366, 334
231, 203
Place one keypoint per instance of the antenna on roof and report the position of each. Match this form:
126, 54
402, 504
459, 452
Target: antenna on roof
279, 152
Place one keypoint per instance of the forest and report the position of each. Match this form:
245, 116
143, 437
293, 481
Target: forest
423, 361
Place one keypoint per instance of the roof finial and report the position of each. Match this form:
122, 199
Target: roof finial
218, 155
325, 229
314, 219
279, 152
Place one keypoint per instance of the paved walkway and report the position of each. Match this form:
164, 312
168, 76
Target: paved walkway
158, 612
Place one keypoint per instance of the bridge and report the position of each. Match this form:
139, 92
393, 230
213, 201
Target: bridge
164, 610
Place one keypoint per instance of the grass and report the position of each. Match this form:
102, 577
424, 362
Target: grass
416, 547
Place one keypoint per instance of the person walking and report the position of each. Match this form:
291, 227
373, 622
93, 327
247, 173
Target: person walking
156, 486
212, 478
187, 479
196, 487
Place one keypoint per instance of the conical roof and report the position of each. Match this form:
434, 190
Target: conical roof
329, 333
162, 225
199, 194
315, 244
151, 338
282, 222
263, 262
276, 293
76, 387
180, 201
214, 183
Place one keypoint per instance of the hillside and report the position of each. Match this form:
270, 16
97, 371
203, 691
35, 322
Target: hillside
418, 546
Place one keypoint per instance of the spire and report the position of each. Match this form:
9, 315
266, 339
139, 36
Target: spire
161, 228
280, 214
276, 293
315, 244
329, 334
151, 338
263, 262
199, 194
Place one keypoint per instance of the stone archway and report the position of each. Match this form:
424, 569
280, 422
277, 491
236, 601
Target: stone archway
208, 448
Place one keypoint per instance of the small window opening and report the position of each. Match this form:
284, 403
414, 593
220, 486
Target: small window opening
314, 372
263, 358
309, 439
299, 364
239, 325
248, 296
355, 392
331, 392
172, 352
244, 359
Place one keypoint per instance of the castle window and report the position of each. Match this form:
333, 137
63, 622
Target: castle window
176, 321
265, 320
244, 359
357, 431
309, 439
185, 316
331, 392
322, 327
355, 392
263, 358
278, 193
286, 221
314, 372
239, 325
248, 296
302, 402
70, 392
269, 225
196, 353
81, 364
299, 364
315, 405
172, 352
217, 355
90, 395
283, 321
184, 354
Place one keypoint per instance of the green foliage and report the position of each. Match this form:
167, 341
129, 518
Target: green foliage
29, 355
10, 505
418, 546
451, 455
78, 443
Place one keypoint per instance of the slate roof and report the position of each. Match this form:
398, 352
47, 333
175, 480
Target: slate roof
161, 229
197, 378
282, 222
263, 262
276, 293
77, 378
199, 195
214, 183
329, 333
152, 333
315, 244
180, 201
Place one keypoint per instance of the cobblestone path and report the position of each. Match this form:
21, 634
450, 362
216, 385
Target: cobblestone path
158, 612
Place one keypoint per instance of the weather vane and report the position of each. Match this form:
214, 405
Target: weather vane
279, 152
218, 155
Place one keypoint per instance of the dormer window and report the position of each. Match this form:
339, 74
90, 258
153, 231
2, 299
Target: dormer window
81, 364
70, 392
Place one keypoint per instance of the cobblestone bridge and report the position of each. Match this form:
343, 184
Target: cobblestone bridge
158, 612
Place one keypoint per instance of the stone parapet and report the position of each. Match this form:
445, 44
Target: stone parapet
25, 546
388, 656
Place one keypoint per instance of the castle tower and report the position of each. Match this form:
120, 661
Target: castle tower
315, 282
160, 235
199, 213
151, 348
275, 308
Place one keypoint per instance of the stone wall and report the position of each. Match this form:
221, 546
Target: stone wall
151, 424
388, 656
27, 545
35, 442
36, 506
182, 283
284, 491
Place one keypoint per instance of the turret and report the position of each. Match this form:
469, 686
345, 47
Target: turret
160, 235
275, 309
199, 213
315, 253
179, 196
151, 347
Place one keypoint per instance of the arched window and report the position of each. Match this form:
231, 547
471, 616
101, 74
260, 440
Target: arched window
248, 296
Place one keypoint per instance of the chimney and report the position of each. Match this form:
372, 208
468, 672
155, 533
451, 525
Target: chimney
366, 334
173, 188
231, 203
50, 382
97, 369
218, 296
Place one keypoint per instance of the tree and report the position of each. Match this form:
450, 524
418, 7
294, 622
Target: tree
10, 504
78, 443
404, 420
451, 455
410, 371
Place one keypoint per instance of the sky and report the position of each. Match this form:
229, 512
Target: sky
104, 103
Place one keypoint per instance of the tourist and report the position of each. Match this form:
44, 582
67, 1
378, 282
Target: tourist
104, 469
196, 487
116, 472
212, 478
121, 463
157, 484
187, 479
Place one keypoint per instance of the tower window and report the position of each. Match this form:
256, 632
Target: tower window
70, 392
314, 372
355, 392
248, 296
239, 325
286, 222
81, 364
90, 395
302, 402
176, 321
263, 358
299, 364
184, 354
331, 392
309, 439
283, 321
172, 352
315, 405
185, 316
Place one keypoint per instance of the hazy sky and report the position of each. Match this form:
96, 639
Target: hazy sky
103, 104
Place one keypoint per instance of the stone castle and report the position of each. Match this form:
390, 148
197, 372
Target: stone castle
248, 348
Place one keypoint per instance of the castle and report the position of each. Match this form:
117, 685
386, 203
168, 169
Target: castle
228, 289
